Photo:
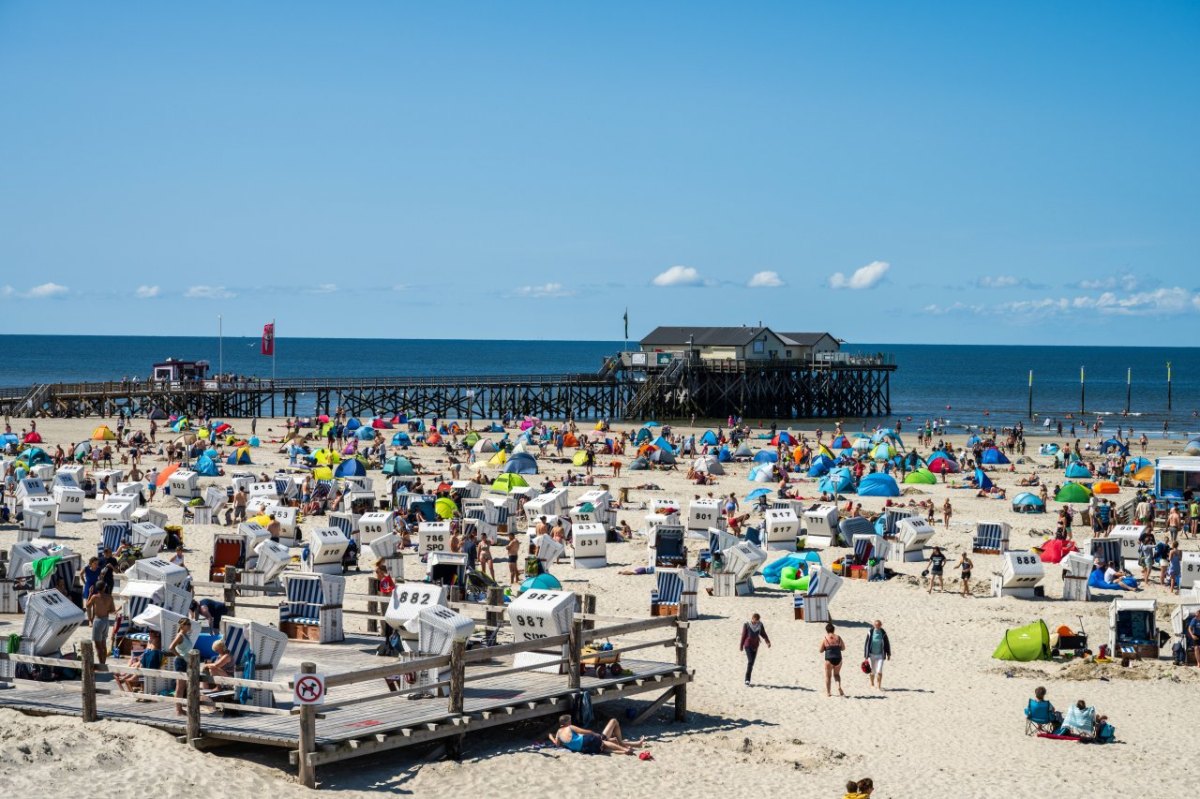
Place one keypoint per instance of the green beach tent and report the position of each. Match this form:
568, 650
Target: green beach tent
1031, 642
1072, 492
508, 481
445, 508
920, 477
398, 465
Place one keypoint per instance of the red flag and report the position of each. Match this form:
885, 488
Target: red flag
268, 339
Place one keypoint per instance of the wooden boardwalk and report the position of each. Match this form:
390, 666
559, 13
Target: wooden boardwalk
362, 715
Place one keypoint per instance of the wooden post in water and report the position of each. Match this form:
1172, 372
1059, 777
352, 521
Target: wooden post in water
1082, 391
1128, 387
87, 656
193, 698
1031, 394
681, 660
1168, 385
308, 736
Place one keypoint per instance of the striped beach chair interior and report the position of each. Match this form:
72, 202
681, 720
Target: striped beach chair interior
670, 588
125, 629
754, 536
283, 487
305, 599
862, 551
237, 641
343, 523
987, 536
112, 535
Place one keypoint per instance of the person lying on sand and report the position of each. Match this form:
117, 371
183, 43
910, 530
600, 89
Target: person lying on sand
586, 742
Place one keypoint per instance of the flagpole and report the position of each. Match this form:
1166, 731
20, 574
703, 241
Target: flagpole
220, 347
274, 347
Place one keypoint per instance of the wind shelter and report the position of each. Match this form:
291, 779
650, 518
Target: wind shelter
992, 456
1025, 644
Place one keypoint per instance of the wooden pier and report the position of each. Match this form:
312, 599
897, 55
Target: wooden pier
777, 389
362, 714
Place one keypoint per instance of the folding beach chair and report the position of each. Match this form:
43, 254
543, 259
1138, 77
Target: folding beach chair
1040, 717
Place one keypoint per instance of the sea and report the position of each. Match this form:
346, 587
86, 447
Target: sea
962, 385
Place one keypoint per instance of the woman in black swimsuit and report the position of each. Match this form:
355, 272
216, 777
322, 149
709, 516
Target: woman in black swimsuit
966, 565
832, 646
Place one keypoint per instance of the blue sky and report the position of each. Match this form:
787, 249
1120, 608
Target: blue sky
917, 172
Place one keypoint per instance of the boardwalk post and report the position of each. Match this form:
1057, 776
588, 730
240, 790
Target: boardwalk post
229, 596
589, 608
308, 736
193, 698
373, 607
681, 629
574, 653
87, 656
458, 667
495, 607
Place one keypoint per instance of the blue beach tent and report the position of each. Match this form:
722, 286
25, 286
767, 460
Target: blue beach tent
878, 485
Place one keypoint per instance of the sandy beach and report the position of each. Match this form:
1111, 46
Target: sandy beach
949, 724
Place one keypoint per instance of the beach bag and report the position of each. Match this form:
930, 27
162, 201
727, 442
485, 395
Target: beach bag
866, 666
582, 709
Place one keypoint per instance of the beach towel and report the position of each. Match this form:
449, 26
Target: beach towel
244, 694
44, 567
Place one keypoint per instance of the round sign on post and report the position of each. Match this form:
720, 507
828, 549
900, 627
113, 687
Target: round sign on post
310, 689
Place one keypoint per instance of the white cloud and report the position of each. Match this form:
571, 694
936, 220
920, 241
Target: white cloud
765, 280
7, 291
679, 276
146, 292
324, 288
400, 287
999, 281
1125, 282
545, 290
46, 290
863, 278
209, 293
1159, 302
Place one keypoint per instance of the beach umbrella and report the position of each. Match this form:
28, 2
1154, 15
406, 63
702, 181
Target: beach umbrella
758, 492
1072, 492
445, 508
765, 456
920, 477
1105, 487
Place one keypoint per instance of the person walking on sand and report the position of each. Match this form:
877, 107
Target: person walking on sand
832, 647
965, 565
876, 649
753, 632
947, 512
937, 566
